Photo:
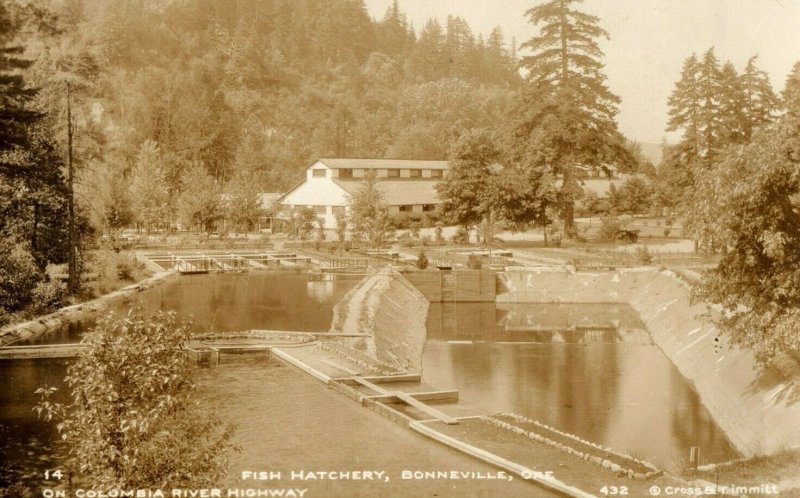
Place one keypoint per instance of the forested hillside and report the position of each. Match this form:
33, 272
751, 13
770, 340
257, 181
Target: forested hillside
250, 91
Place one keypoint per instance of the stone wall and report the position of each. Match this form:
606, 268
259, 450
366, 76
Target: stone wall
392, 311
77, 312
759, 409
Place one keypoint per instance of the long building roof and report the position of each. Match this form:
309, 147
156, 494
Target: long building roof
381, 164
399, 192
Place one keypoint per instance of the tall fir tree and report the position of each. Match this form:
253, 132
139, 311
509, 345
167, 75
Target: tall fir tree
732, 105
15, 115
394, 36
791, 102
427, 60
569, 113
761, 104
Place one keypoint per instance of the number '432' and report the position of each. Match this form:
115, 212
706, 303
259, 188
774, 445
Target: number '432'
614, 490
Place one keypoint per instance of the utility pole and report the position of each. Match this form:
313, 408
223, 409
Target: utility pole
73, 284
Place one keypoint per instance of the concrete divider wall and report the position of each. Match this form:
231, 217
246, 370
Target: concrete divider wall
758, 409
392, 311
71, 314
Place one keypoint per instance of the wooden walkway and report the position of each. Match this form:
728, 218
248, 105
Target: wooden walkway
41, 351
244, 344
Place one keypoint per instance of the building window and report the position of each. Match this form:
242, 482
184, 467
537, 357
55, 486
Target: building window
405, 209
345, 173
436, 173
338, 211
415, 173
318, 173
393, 173
427, 208
319, 209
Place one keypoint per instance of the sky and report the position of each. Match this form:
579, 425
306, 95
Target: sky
649, 40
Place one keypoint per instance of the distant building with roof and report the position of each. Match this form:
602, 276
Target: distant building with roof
407, 186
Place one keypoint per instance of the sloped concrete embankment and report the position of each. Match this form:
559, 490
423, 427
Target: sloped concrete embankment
77, 312
392, 311
759, 409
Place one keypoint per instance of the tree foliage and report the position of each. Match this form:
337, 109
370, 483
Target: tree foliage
750, 205
369, 217
715, 107
132, 421
568, 111
483, 185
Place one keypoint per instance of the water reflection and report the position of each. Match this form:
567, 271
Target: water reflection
606, 384
214, 302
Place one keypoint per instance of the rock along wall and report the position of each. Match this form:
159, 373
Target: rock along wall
388, 308
71, 314
758, 409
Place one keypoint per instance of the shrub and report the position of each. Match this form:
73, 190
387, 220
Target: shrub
461, 236
48, 296
667, 231
609, 228
124, 269
19, 275
438, 233
415, 227
644, 255
422, 260
138, 425
474, 262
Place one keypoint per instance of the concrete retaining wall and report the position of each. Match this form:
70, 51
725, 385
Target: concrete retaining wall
392, 311
77, 312
758, 409
461, 286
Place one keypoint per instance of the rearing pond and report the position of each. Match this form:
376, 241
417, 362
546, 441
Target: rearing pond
589, 370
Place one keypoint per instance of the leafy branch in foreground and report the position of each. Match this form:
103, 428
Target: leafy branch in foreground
132, 421
750, 204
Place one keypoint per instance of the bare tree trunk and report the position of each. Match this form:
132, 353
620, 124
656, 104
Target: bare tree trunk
73, 284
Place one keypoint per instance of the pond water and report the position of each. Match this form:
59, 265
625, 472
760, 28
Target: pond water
590, 370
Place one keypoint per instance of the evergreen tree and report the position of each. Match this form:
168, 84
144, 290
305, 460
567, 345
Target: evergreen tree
33, 197
684, 103
15, 116
464, 191
791, 100
568, 114
428, 59
369, 218
393, 33
732, 106
761, 104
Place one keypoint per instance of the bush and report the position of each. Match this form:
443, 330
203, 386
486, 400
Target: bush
422, 260
609, 228
474, 262
461, 236
405, 240
124, 269
19, 276
667, 231
438, 233
400, 221
48, 296
138, 425
415, 227
644, 255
